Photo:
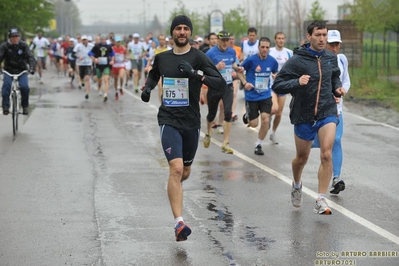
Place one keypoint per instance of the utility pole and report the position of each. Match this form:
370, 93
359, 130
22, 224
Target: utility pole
144, 17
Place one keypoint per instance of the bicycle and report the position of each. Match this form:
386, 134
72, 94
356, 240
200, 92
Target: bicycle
15, 99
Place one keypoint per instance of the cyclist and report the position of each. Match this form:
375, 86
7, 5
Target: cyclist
16, 55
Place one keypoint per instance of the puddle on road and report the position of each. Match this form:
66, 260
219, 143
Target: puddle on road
242, 232
222, 163
231, 170
50, 105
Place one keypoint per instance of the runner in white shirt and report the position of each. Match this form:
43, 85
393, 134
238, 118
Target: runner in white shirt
84, 62
137, 51
41, 45
281, 54
250, 46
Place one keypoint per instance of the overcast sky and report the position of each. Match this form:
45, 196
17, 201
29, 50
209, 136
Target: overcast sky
133, 10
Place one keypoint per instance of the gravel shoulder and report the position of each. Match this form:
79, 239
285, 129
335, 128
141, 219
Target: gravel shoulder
372, 110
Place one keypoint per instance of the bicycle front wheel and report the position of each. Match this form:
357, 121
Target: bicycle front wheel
14, 113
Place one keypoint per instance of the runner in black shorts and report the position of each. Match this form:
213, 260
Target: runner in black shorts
260, 68
183, 70
71, 59
180, 143
225, 59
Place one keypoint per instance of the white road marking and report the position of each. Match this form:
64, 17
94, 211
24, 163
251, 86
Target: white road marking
371, 121
378, 230
356, 218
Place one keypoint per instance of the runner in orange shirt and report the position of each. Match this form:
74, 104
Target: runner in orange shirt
236, 81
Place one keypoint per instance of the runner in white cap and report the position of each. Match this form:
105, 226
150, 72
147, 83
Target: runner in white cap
137, 51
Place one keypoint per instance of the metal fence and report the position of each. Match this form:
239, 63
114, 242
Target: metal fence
382, 62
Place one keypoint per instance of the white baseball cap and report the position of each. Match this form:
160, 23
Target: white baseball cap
136, 35
199, 39
84, 37
89, 38
334, 36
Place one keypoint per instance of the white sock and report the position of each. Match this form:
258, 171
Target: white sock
272, 132
297, 185
178, 219
321, 196
259, 142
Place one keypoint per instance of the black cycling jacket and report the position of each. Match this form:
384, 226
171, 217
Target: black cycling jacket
16, 57
315, 100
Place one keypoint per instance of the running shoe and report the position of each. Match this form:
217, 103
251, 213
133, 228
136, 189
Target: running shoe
245, 118
87, 96
137, 90
6, 111
273, 138
220, 129
105, 97
116, 96
100, 93
214, 125
121, 91
226, 148
258, 150
322, 207
337, 186
182, 231
207, 140
296, 196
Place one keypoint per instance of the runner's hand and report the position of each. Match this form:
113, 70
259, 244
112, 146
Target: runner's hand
185, 67
145, 95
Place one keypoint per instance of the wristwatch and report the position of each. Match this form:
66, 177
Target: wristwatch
200, 75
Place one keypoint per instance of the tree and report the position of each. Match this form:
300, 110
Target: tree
390, 22
316, 12
296, 12
394, 26
260, 14
28, 16
67, 16
364, 14
236, 22
196, 19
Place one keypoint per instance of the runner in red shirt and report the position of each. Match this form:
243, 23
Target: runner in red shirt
64, 48
118, 68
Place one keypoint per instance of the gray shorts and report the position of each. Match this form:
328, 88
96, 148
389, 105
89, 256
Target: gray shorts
41, 59
137, 64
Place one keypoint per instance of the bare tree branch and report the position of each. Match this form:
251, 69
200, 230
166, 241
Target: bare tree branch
296, 12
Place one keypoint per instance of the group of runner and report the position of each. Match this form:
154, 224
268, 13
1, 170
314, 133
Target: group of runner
237, 67
100, 59
266, 74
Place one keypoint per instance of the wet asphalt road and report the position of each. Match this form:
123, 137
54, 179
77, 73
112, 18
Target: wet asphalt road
84, 183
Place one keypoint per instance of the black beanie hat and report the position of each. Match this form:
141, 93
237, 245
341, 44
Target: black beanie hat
181, 19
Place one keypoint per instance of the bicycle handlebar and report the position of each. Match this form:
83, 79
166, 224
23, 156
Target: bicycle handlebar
15, 75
